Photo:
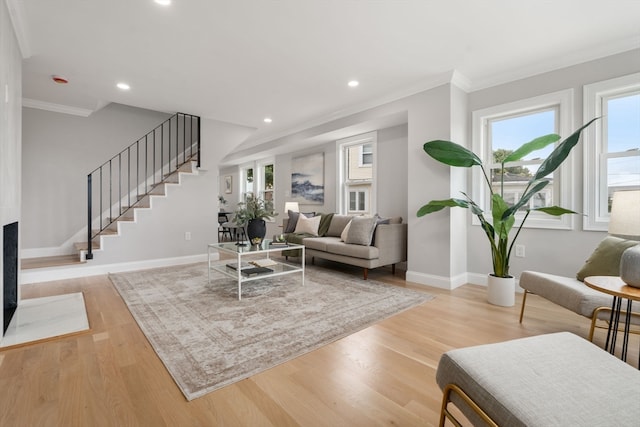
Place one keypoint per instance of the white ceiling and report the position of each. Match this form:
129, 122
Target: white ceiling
239, 61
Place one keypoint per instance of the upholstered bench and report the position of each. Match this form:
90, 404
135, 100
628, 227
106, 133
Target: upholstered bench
548, 380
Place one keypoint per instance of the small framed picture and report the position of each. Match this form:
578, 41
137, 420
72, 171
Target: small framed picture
228, 184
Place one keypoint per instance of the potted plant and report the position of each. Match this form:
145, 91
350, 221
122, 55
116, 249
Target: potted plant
503, 214
252, 214
222, 202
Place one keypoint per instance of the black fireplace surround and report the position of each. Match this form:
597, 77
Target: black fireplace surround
10, 272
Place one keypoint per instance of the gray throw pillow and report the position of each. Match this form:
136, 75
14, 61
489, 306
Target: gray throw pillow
361, 230
293, 221
338, 223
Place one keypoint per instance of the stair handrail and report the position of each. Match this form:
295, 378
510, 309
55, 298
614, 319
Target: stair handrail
171, 158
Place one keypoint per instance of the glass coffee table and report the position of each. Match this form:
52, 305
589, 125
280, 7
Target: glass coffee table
254, 261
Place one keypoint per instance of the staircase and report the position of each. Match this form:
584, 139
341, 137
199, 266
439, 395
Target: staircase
129, 180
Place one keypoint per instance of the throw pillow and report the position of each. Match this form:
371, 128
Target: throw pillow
292, 222
338, 223
345, 232
361, 230
325, 222
308, 225
605, 260
378, 222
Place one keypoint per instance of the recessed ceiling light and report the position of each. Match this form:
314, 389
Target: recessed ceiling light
163, 2
123, 86
353, 83
267, 120
60, 80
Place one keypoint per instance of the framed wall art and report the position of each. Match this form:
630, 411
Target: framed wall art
307, 179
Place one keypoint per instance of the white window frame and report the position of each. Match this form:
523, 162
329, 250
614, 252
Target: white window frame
361, 154
259, 181
595, 166
562, 101
342, 193
258, 167
243, 181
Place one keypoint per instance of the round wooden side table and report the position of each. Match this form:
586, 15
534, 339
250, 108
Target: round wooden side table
614, 286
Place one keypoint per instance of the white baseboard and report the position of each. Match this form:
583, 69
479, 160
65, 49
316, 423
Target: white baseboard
440, 282
84, 270
451, 283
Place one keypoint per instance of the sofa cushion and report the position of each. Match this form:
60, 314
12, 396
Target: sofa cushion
345, 232
319, 243
308, 225
361, 230
338, 223
355, 251
605, 259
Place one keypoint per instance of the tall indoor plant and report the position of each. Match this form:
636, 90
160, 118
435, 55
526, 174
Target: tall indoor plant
252, 214
503, 214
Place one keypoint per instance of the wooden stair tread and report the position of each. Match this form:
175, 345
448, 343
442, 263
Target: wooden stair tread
82, 246
50, 261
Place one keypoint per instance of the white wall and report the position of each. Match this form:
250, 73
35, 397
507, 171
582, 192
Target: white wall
554, 251
59, 150
10, 133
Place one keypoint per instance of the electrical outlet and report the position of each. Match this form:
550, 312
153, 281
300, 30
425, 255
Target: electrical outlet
187, 235
520, 251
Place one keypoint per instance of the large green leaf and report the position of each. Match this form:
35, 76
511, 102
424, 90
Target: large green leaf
451, 154
554, 210
531, 146
537, 187
501, 223
560, 153
438, 205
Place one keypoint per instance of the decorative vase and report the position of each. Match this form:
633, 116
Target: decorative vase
501, 290
256, 230
630, 266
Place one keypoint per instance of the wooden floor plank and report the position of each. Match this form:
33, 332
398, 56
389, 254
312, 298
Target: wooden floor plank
382, 375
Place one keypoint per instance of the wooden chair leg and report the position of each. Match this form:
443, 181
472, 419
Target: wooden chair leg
524, 300
365, 273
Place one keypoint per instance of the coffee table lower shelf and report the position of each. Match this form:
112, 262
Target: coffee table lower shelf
280, 268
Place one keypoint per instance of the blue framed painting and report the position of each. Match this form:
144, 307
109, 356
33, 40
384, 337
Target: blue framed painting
307, 179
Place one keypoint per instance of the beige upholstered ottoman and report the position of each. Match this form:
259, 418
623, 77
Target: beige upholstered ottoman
548, 380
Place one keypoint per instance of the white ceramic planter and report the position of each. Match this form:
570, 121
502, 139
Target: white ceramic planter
501, 291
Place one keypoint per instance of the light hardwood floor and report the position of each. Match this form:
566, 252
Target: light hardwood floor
382, 375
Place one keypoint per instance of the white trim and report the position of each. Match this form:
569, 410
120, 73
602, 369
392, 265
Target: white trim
440, 282
17, 14
56, 108
594, 184
342, 201
563, 100
87, 269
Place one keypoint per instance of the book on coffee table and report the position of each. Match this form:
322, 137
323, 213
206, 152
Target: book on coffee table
263, 262
234, 265
255, 271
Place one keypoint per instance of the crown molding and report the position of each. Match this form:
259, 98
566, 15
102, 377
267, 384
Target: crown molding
56, 108
17, 14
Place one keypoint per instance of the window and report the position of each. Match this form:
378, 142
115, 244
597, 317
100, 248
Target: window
357, 174
366, 155
258, 178
246, 181
612, 146
500, 130
265, 184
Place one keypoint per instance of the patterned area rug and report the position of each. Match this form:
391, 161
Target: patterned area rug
208, 339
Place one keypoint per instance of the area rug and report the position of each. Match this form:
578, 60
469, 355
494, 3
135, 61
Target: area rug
207, 339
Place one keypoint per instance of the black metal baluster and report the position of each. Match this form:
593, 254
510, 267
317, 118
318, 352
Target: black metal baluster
89, 255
